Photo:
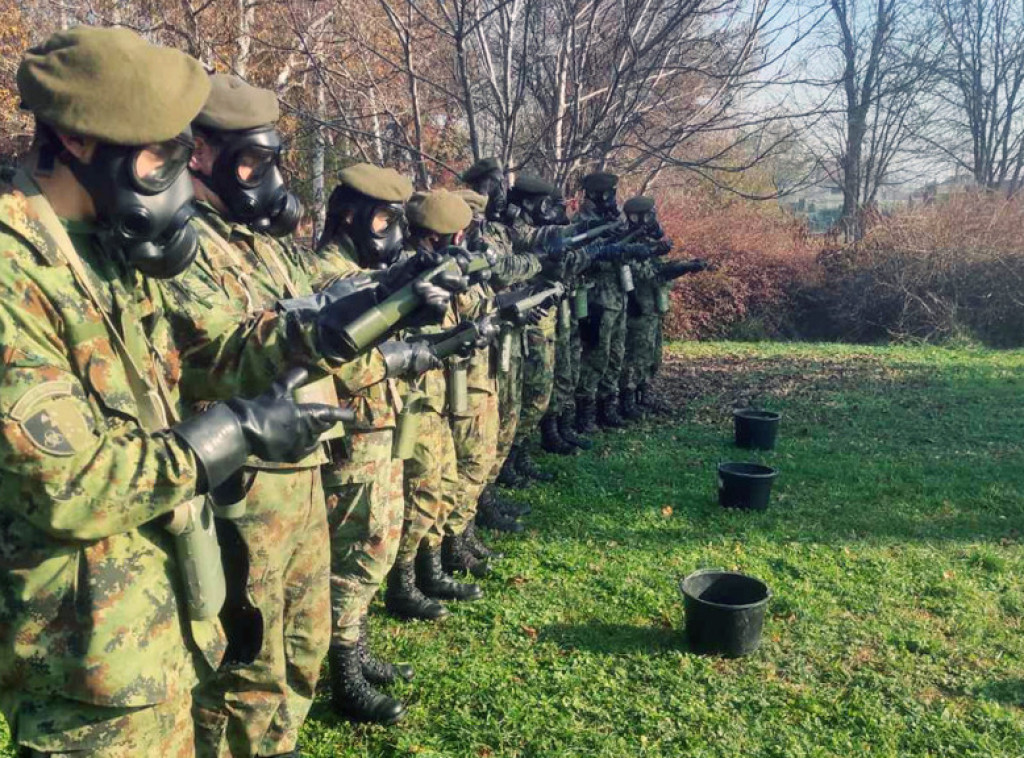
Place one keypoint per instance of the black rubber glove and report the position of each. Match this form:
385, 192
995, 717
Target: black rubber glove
272, 426
396, 276
406, 360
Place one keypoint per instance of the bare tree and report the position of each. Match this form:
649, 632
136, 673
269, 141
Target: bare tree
881, 53
982, 69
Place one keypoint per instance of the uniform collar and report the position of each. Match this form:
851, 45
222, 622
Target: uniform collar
19, 218
229, 230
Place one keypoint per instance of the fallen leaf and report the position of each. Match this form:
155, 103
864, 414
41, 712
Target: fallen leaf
529, 631
666, 511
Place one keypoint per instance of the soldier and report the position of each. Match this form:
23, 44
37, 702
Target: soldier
260, 696
363, 236
533, 196
436, 221
511, 269
474, 422
603, 334
98, 652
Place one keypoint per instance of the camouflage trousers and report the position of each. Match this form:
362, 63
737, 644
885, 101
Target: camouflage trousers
538, 373
364, 511
510, 401
476, 446
431, 479
643, 351
256, 708
603, 335
567, 364
165, 730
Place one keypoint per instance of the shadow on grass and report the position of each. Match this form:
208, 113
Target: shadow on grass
600, 637
1006, 691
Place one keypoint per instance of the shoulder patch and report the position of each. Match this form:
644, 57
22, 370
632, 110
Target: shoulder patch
54, 418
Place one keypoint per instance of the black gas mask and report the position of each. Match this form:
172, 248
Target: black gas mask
493, 185
647, 220
538, 210
247, 178
603, 201
377, 231
143, 200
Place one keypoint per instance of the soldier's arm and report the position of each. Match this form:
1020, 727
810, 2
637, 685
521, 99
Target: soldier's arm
224, 354
65, 466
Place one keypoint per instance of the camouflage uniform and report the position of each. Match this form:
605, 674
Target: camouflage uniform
538, 365
643, 328
475, 430
255, 707
363, 482
96, 653
511, 268
603, 333
431, 474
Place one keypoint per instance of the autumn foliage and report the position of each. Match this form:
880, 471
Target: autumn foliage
763, 256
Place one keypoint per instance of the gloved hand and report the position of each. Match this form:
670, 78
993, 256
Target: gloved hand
660, 248
488, 329
272, 426
531, 317
399, 274
406, 360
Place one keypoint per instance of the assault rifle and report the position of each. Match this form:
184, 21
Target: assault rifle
461, 339
672, 271
514, 306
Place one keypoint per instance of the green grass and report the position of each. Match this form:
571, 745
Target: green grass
893, 548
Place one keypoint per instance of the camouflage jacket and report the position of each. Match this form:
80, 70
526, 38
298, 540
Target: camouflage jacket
376, 402
88, 608
513, 266
607, 284
475, 303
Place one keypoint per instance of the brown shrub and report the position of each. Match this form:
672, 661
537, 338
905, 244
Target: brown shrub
938, 272
764, 257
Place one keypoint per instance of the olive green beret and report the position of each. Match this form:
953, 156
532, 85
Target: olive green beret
112, 85
235, 105
638, 204
439, 211
476, 202
600, 181
384, 184
480, 168
527, 184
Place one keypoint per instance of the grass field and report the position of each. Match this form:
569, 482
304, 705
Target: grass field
893, 548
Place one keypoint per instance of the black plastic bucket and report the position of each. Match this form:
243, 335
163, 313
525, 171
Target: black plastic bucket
756, 430
724, 612
747, 486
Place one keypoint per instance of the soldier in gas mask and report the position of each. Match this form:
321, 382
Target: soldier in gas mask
93, 452
363, 237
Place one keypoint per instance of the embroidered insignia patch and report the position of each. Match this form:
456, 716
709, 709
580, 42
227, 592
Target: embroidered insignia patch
54, 419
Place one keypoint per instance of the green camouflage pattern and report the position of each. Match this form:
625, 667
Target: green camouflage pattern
643, 329
257, 708
363, 482
603, 333
476, 448
538, 372
364, 511
431, 481
94, 630
510, 403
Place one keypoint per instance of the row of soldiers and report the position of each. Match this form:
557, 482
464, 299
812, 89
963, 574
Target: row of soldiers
216, 445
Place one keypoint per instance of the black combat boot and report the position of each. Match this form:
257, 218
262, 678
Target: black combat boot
509, 476
586, 416
648, 402
608, 414
353, 697
456, 558
376, 671
490, 516
403, 599
526, 466
512, 508
433, 582
568, 431
628, 407
476, 545
550, 438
